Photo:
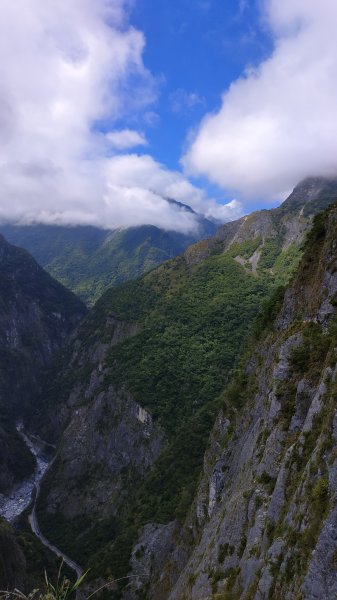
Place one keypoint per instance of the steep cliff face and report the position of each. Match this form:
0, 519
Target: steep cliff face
136, 393
108, 444
263, 525
36, 315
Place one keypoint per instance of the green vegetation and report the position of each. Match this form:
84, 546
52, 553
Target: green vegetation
215, 577
271, 306
23, 559
245, 249
307, 486
308, 461
83, 538
89, 260
183, 364
224, 551
320, 491
229, 577
268, 481
61, 589
286, 264
193, 321
190, 336
271, 249
306, 359
193, 325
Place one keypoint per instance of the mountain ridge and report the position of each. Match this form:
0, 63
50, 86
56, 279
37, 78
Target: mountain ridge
88, 259
263, 519
137, 485
189, 322
289, 221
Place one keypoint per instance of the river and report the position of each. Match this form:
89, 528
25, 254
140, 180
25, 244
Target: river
12, 506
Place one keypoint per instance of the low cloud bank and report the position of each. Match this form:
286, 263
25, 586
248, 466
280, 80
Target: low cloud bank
71, 72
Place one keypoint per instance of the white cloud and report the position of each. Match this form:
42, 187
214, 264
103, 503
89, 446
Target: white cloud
70, 70
129, 172
278, 123
66, 65
126, 138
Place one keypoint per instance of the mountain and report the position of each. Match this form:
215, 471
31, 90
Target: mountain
311, 194
89, 260
134, 395
276, 230
37, 314
263, 523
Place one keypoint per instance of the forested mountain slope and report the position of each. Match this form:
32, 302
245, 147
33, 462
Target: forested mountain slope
263, 524
273, 231
88, 260
137, 391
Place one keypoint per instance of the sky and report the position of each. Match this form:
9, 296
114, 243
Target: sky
108, 107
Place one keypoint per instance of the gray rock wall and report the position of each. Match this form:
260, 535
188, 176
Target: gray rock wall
263, 524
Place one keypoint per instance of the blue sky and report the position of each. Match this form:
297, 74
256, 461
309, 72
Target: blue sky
195, 49
108, 107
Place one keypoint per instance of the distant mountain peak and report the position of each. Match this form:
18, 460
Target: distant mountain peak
180, 205
89, 260
321, 191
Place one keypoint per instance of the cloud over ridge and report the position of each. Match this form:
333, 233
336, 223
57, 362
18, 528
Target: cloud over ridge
277, 124
71, 71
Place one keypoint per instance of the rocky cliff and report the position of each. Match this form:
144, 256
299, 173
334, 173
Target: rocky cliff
108, 444
36, 316
263, 524
136, 393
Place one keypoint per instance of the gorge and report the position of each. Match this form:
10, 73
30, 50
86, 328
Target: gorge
193, 414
